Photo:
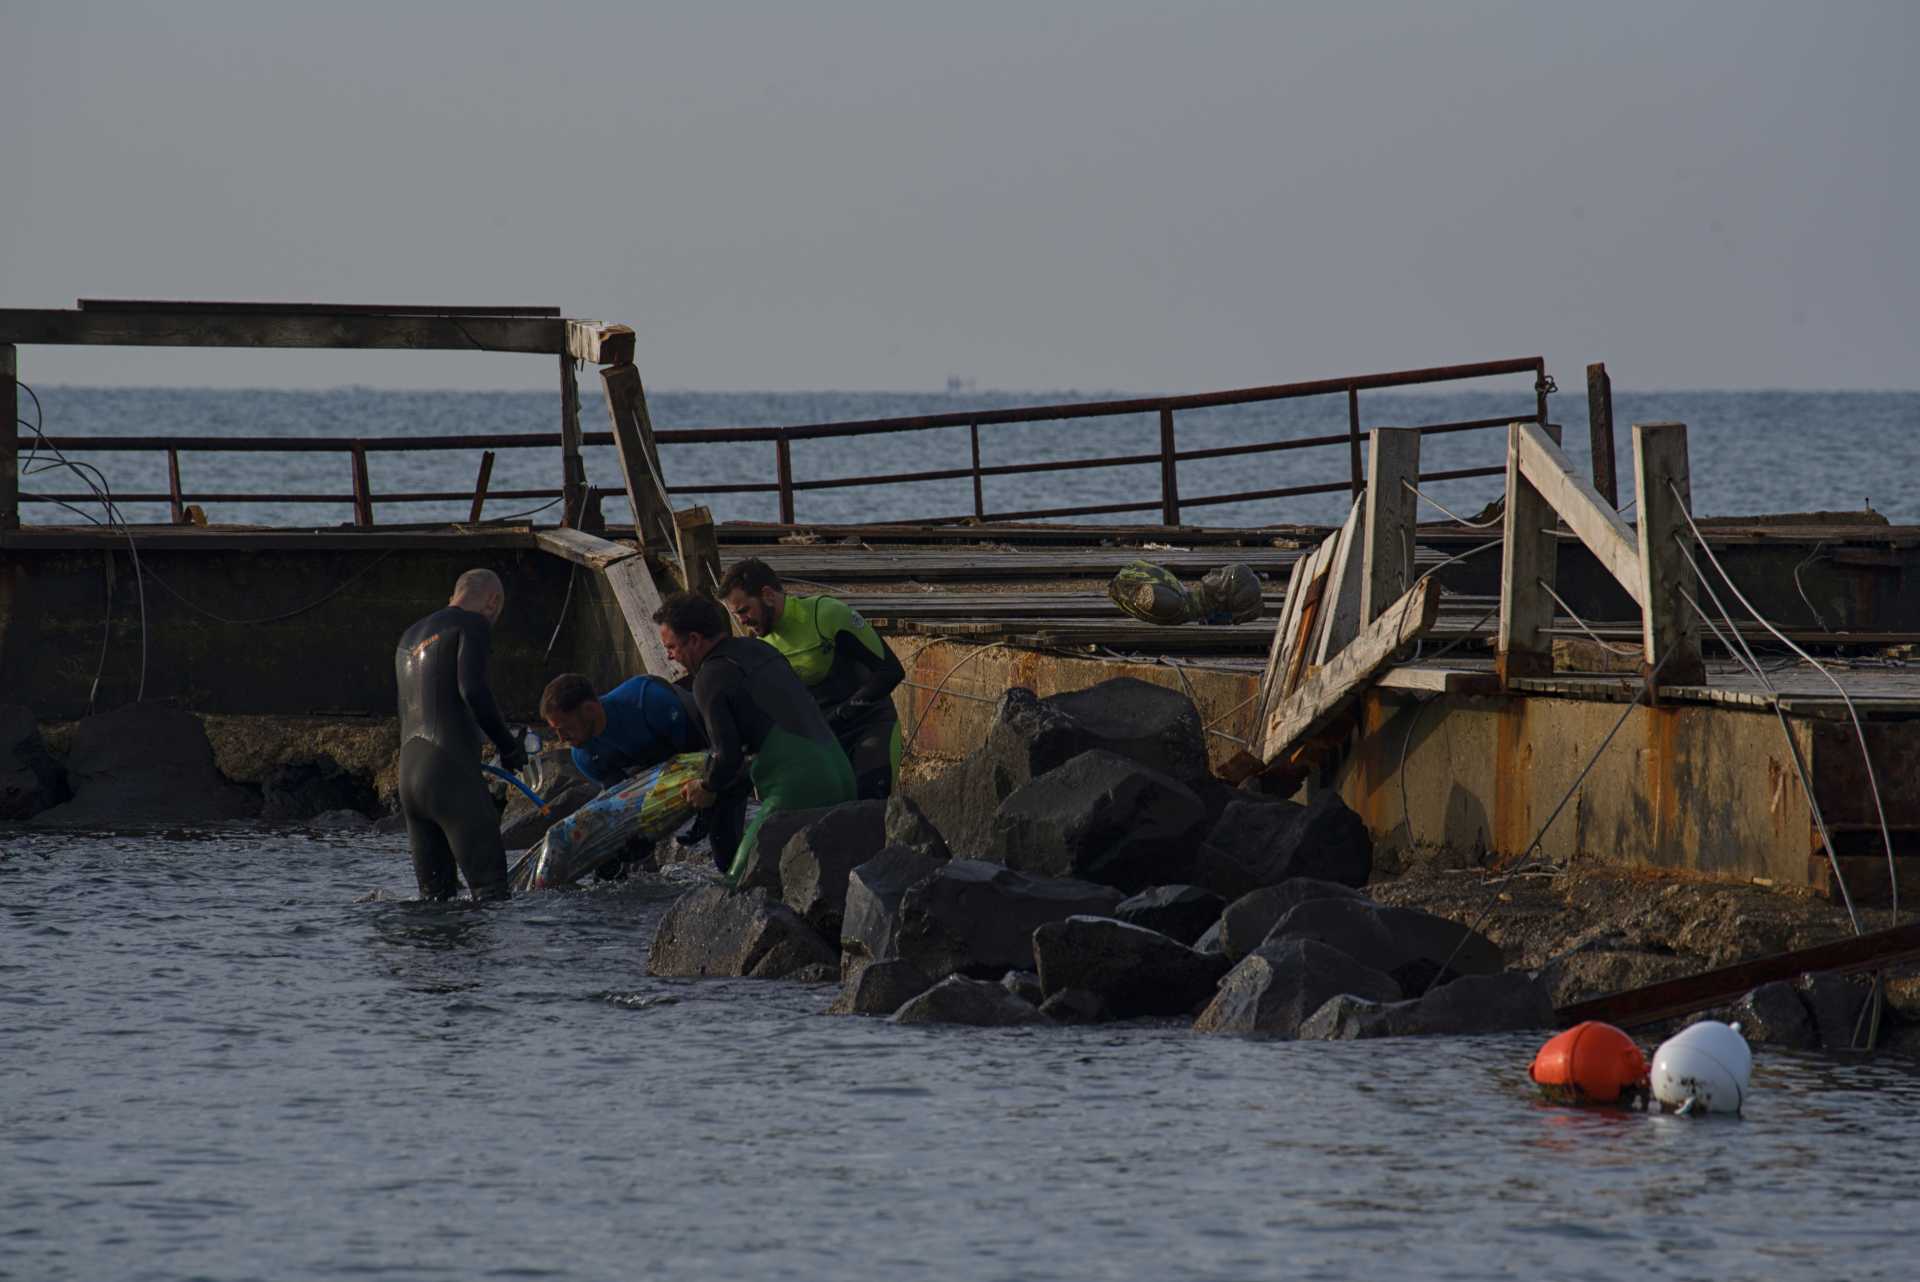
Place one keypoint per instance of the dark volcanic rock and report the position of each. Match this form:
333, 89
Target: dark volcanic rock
1076, 1006
1246, 922
339, 821
814, 973
30, 779
1275, 988
565, 790
711, 931
909, 827
816, 861
973, 918
298, 791
1135, 971
762, 868
959, 1000
1263, 843
1406, 943
1835, 1003
1025, 985
1179, 912
870, 922
1209, 942
1508, 1002
1099, 817
1775, 1015
879, 988
145, 763
1150, 724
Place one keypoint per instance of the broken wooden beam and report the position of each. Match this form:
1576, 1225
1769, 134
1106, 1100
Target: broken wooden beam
599, 343
1672, 998
1327, 692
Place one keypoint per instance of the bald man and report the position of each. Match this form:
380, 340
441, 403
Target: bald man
445, 705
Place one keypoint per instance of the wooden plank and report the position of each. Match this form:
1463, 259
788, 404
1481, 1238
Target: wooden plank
638, 596
1277, 651
10, 438
1413, 679
1327, 693
1529, 556
362, 490
1391, 519
176, 508
1674, 997
583, 549
573, 472
480, 487
1670, 624
639, 457
699, 551
1600, 433
599, 343
1341, 600
1596, 524
283, 329
1299, 639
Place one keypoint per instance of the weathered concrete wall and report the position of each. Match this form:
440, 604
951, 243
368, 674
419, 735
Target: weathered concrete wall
333, 659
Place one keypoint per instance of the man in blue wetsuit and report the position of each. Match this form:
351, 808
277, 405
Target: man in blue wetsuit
634, 726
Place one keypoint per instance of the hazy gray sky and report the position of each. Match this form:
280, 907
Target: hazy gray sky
838, 195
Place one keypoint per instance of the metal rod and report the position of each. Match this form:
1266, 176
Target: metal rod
173, 488
1169, 471
362, 500
979, 496
1353, 440
783, 458
10, 438
1600, 433
480, 488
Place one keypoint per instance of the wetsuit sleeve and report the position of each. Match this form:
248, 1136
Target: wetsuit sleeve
713, 691
583, 762
856, 643
476, 644
667, 720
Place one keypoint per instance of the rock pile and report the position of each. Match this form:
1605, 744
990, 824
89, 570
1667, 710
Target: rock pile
30, 779
145, 764
1082, 866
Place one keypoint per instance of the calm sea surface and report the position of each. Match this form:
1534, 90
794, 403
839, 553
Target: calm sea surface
1751, 451
218, 1061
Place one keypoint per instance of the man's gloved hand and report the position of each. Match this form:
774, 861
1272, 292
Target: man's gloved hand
847, 715
513, 758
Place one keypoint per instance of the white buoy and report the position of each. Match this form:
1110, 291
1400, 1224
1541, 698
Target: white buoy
1703, 1068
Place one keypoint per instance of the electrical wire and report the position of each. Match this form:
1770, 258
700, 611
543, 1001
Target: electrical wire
1471, 525
1604, 645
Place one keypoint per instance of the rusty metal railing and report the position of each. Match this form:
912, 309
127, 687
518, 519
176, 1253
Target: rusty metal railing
1170, 503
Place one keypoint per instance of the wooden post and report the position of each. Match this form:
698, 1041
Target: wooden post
699, 551
783, 461
1391, 515
10, 438
178, 508
639, 457
362, 492
1353, 439
1169, 471
480, 487
979, 497
1529, 557
1600, 432
1670, 627
573, 472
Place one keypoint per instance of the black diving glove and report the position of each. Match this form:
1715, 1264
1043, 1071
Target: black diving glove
513, 758
848, 715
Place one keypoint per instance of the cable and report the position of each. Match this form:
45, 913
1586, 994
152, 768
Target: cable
1471, 525
573, 572
925, 712
273, 618
1801, 589
1604, 645
1866, 754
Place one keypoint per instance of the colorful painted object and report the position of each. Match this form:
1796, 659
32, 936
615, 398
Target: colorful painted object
649, 806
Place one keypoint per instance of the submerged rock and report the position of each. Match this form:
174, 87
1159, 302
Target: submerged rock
1248, 920
879, 988
1412, 946
973, 918
1180, 912
959, 1000
1025, 985
300, 791
1274, 989
711, 931
30, 779
816, 861
141, 764
1133, 970
1263, 843
1775, 1015
1076, 1006
1099, 817
1511, 1001
1835, 1003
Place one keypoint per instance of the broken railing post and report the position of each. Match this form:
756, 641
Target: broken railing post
699, 551
1600, 432
1169, 471
10, 439
573, 472
1529, 556
1670, 628
480, 487
362, 490
1392, 512
175, 505
639, 457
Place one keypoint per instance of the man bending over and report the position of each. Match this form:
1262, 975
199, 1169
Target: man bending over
634, 726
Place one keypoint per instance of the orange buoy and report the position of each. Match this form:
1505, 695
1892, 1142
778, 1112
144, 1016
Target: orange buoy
1590, 1063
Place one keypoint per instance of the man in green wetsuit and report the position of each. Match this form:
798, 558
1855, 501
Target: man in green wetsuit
839, 657
765, 730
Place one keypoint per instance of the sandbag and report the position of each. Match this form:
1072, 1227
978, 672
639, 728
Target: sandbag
1151, 593
1229, 594
649, 806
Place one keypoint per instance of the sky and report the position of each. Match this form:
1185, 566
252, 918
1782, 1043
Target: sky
1099, 194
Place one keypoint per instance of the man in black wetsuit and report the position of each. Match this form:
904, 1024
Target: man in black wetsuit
445, 704
765, 729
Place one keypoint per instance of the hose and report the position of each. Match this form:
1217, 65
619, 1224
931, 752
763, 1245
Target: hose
514, 779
